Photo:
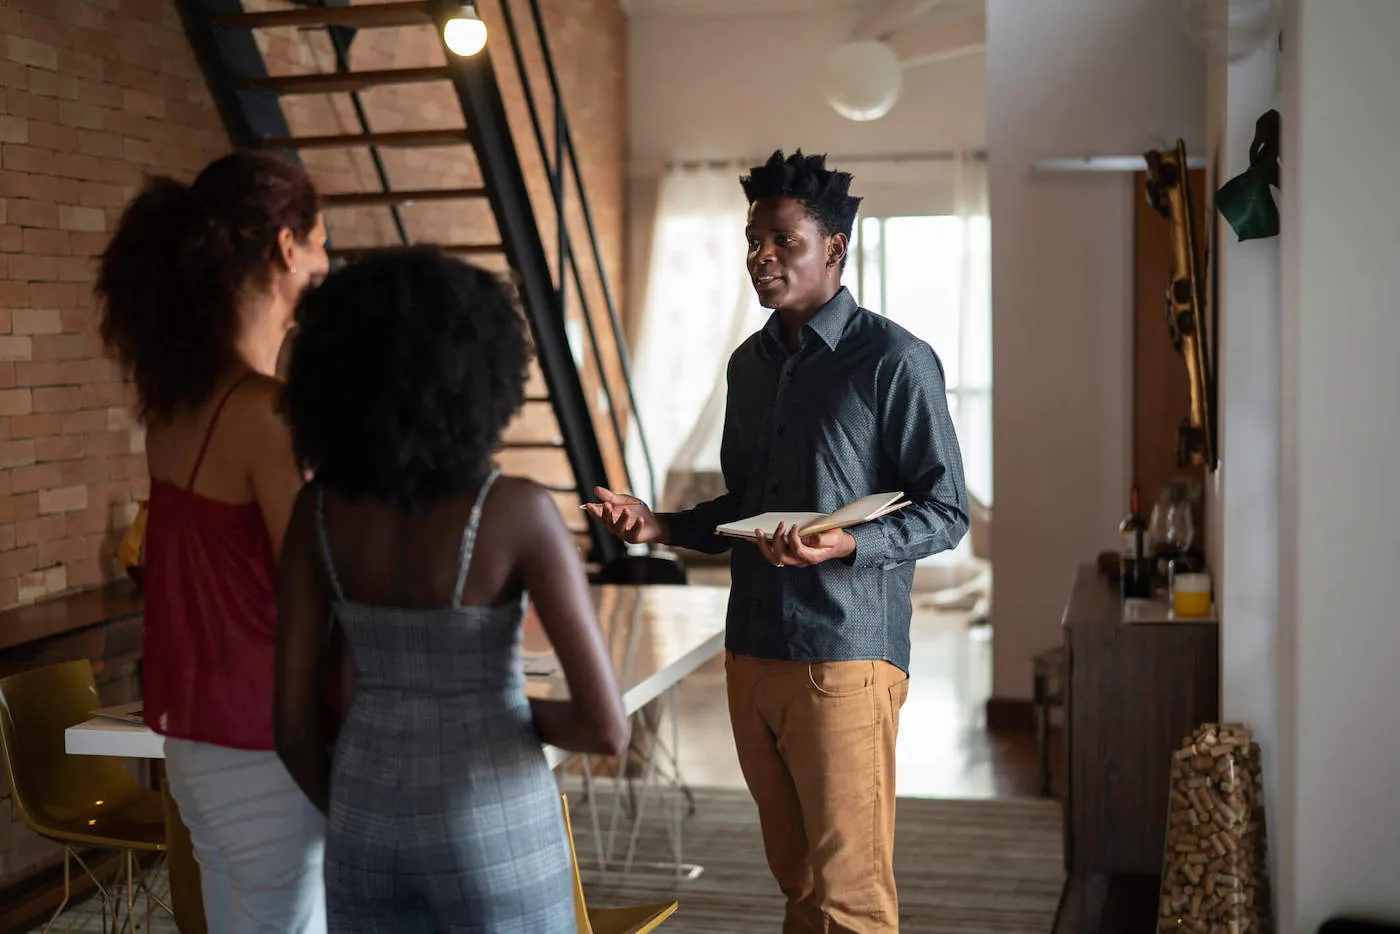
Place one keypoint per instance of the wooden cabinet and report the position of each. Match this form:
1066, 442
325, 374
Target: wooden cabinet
1134, 691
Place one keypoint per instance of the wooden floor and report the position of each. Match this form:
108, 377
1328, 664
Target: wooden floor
944, 751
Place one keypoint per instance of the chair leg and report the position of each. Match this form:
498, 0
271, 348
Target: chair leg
67, 889
129, 859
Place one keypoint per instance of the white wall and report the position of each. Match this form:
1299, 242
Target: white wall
1244, 508
1071, 77
1339, 522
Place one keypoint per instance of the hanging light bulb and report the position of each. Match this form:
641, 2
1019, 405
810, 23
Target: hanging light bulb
465, 33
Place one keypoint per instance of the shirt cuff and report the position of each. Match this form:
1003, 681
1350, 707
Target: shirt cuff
872, 547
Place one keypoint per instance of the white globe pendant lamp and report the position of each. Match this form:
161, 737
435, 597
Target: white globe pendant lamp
862, 79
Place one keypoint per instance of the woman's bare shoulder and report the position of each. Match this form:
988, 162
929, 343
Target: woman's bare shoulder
257, 426
522, 495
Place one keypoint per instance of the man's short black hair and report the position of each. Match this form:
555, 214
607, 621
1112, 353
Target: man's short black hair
825, 192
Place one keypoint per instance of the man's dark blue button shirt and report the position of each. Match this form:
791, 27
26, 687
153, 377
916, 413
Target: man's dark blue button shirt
860, 408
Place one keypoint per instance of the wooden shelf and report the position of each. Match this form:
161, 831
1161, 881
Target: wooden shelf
57, 615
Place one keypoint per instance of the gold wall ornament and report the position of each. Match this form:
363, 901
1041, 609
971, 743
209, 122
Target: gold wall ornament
1170, 195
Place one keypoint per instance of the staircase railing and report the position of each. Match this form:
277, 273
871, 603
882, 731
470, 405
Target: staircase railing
562, 164
250, 102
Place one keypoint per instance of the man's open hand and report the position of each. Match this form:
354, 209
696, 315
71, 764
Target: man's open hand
627, 517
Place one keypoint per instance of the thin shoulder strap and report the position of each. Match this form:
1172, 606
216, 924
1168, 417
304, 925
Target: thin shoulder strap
209, 432
326, 543
464, 560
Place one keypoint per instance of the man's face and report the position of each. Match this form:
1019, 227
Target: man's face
791, 264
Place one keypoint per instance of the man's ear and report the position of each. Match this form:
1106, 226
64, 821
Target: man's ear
836, 250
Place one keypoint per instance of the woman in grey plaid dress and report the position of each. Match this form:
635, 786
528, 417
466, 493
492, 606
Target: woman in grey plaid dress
443, 815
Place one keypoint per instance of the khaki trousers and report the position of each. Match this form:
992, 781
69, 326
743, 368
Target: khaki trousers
816, 744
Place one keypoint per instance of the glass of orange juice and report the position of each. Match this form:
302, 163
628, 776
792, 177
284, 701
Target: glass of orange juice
1191, 595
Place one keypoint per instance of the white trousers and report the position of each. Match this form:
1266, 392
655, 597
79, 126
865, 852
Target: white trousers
258, 840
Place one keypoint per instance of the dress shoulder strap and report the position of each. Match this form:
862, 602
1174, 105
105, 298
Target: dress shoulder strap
209, 432
464, 559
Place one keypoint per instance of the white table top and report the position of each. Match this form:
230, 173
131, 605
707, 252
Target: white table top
657, 636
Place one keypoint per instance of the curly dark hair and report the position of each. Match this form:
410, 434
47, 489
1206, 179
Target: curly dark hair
406, 367
826, 193
183, 255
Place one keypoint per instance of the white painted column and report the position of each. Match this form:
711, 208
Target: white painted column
1339, 522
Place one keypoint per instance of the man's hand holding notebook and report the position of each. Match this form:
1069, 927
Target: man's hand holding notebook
865, 509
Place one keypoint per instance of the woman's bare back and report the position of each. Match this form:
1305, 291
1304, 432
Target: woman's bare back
387, 557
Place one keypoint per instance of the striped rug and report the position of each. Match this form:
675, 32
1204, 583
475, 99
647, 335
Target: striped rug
963, 867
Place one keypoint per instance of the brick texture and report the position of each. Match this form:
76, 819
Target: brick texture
95, 95
65, 121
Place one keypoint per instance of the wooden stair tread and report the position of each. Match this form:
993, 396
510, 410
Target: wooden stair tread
463, 249
402, 138
369, 199
363, 16
533, 445
345, 81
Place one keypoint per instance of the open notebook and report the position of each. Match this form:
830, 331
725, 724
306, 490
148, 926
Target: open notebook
865, 509
123, 713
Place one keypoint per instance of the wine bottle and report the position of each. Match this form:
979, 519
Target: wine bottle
1134, 568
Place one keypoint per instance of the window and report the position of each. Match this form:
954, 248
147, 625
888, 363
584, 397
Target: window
932, 275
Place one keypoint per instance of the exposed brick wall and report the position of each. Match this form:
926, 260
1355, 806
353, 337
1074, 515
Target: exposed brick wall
94, 94
97, 94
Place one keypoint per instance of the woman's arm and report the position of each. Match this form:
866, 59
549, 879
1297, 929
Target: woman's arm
302, 612
592, 719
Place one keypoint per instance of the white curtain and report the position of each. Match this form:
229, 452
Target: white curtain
698, 307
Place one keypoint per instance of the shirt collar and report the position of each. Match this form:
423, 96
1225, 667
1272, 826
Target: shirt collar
829, 323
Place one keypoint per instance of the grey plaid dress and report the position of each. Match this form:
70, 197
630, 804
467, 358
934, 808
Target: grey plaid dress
443, 815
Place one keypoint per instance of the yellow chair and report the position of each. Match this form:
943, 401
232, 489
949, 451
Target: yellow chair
79, 801
635, 920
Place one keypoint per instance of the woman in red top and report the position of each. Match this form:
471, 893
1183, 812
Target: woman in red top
197, 290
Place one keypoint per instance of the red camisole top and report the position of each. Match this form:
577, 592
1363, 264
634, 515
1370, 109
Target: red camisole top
210, 615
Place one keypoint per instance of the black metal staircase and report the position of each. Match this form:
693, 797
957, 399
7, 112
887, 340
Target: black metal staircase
249, 100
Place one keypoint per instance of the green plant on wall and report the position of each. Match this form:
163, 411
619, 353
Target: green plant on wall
1246, 200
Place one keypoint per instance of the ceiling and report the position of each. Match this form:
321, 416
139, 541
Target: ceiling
731, 8
738, 7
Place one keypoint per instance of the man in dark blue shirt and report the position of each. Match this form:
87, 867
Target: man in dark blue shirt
827, 404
